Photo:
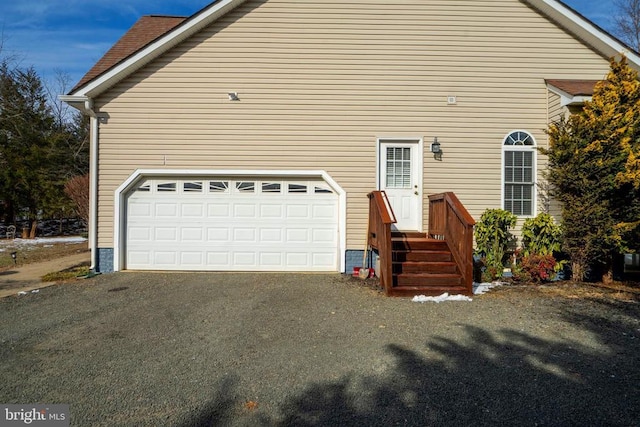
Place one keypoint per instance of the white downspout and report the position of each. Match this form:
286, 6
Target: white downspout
93, 193
93, 186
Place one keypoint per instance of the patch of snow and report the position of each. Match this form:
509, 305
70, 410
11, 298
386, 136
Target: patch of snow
441, 298
483, 288
43, 241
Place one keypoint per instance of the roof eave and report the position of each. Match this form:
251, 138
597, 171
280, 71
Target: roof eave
568, 99
147, 54
602, 42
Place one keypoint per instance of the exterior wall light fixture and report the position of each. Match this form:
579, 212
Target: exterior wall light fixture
233, 96
436, 149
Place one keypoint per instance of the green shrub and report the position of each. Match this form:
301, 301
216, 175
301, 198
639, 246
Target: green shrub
493, 239
541, 236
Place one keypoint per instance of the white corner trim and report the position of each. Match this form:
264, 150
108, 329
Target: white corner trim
120, 202
191, 26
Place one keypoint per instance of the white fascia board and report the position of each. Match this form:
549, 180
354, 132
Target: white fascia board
155, 49
80, 103
138, 174
599, 40
567, 98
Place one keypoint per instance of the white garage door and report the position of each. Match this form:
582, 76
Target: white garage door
232, 225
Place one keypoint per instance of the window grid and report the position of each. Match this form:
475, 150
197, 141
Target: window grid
518, 171
398, 167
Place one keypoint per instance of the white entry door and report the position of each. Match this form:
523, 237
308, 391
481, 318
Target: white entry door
400, 174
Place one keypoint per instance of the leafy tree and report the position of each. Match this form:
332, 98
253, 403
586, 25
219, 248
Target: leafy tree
594, 169
39, 150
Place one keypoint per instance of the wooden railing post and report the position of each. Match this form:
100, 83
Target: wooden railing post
380, 219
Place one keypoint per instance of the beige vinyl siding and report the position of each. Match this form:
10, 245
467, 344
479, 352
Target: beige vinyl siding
556, 113
320, 82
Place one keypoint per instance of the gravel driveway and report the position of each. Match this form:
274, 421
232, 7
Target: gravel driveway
273, 349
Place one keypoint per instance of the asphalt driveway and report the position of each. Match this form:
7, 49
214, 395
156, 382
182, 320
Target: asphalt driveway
273, 349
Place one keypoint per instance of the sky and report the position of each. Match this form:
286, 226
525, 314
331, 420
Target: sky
69, 36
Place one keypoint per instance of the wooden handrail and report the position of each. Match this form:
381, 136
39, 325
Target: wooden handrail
381, 217
449, 220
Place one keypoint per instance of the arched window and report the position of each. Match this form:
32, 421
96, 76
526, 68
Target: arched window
519, 171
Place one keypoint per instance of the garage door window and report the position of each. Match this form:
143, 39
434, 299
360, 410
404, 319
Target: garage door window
271, 187
297, 188
166, 186
192, 187
218, 186
246, 186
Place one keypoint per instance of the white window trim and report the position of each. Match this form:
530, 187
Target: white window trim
533, 148
140, 174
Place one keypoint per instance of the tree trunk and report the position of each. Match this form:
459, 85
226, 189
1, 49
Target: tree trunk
577, 271
34, 229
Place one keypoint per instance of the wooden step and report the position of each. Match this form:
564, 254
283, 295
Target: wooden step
425, 256
418, 244
427, 279
424, 267
408, 234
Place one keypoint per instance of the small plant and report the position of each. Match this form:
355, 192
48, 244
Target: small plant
535, 268
493, 239
537, 260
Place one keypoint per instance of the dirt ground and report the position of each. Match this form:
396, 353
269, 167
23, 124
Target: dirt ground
36, 260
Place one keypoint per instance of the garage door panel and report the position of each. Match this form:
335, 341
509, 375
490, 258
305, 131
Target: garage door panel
271, 211
166, 234
168, 258
192, 210
139, 210
245, 235
245, 259
324, 211
325, 259
324, 235
297, 211
139, 234
192, 259
221, 260
192, 234
271, 259
244, 210
271, 235
166, 210
218, 235
210, 226
219, 210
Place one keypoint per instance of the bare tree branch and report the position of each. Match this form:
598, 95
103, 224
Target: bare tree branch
628, 22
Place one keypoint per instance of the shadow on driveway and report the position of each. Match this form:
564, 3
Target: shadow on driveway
509, 378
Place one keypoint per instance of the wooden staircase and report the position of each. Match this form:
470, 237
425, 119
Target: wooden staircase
423, 266
413, 263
